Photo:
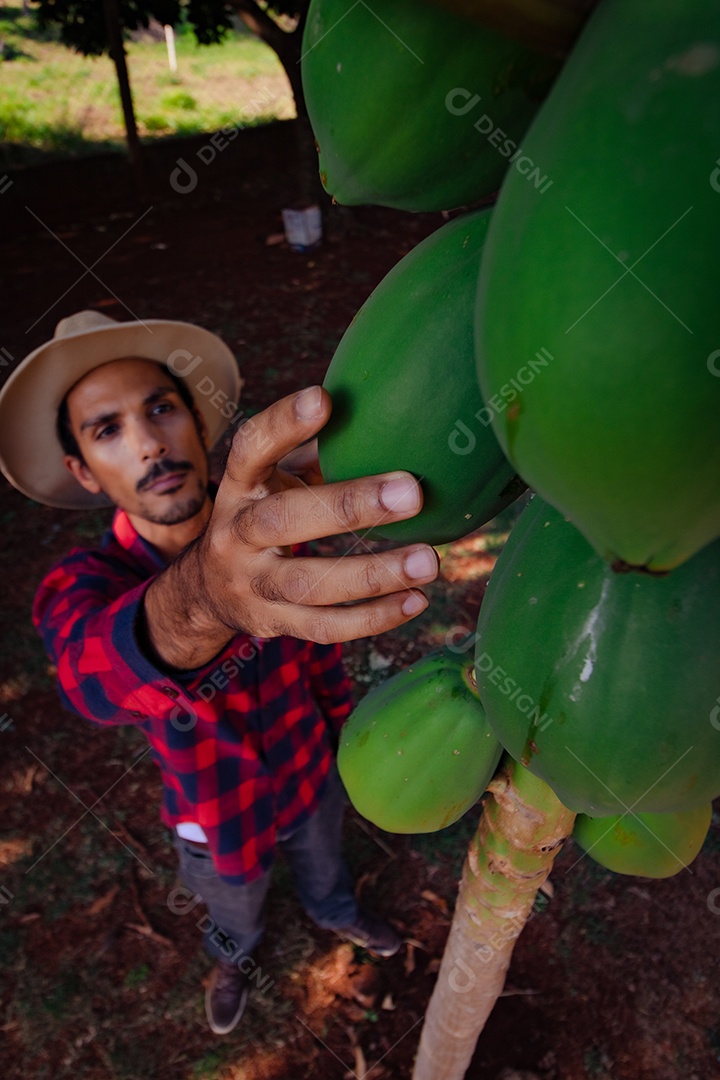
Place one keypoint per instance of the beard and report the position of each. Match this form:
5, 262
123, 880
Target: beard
180, 509
175, 508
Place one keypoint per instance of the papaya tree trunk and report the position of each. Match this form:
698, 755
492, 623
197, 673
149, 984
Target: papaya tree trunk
522, 829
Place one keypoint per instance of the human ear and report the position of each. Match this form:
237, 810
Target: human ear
82, 474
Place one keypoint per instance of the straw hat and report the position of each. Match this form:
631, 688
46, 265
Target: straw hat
31, 456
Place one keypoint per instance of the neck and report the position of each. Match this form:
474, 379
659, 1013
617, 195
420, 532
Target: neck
171, 539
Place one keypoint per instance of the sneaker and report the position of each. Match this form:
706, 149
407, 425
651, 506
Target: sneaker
372, 933
225, 997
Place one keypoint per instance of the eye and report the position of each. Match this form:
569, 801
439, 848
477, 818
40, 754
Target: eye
163, 407
106, 431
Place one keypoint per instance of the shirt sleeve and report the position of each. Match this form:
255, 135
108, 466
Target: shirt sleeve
86, 615
330, 685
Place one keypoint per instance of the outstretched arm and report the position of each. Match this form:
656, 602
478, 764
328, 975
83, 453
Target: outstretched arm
239, 574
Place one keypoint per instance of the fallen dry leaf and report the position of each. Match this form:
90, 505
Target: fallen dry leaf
428, 894
148, 932
103, 902
360, 1063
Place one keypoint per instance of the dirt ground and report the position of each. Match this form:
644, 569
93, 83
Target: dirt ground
613, 979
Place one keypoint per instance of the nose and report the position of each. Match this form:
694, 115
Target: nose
150, 442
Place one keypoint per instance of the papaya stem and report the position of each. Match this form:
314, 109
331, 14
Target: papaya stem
522, 829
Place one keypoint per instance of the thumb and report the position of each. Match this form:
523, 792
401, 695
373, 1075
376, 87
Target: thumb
261, 442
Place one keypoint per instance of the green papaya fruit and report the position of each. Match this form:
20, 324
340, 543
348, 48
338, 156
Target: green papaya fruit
549, 26
405, 393
418, 752
646, 845
394, 95
604, 685
613, 274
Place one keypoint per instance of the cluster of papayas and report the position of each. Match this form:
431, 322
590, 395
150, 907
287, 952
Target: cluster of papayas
602, 684
597, 353
418, 751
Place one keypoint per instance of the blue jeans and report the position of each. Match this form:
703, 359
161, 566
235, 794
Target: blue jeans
313, 852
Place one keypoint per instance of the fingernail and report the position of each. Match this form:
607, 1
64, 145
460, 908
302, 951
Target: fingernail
414, 604
421, 564
308, 403
401, 496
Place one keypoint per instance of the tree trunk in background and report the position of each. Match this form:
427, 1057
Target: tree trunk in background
117, 52
522, 829
287, 45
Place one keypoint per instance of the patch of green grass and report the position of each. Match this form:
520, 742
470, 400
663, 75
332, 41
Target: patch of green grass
15, 23
179, 99
23, 120
136, 977
598, 1064
156, 123
208, 1066
9, 51
167, 78
60, 103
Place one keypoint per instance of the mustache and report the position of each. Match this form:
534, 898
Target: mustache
162, 468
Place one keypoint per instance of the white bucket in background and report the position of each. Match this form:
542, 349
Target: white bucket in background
303, 228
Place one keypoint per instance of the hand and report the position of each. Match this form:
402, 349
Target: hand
239, 576
303, 462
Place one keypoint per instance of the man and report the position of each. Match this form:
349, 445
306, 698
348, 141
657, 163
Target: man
196, 590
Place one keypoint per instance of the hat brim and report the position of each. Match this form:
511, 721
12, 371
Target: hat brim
31, 456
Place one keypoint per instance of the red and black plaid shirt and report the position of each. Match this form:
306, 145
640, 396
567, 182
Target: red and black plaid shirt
243, 743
